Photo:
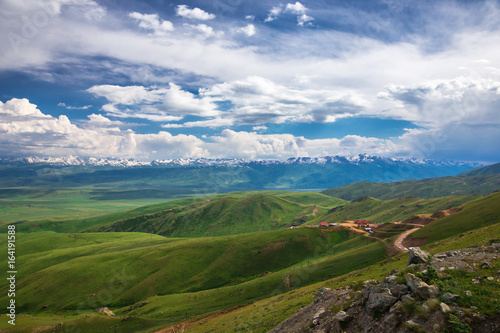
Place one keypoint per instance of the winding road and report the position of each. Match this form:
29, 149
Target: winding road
399, 241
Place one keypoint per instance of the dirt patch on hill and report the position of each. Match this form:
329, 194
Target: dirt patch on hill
413, 242
422, 219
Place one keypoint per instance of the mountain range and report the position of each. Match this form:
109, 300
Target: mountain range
219, 175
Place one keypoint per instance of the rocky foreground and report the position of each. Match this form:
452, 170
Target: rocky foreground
414, 300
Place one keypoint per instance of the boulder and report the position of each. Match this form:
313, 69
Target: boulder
444, 308
342, 316
399, 290
449, 298
323, 294
420, 288
106, 311
380, 301
418, 256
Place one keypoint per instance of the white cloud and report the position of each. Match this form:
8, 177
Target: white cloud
296, 8
216, 122
257, 100
194, 14
248, 30
152, 22
273, 13
156, 104
205, 30
69, 107
304, 19
259, 128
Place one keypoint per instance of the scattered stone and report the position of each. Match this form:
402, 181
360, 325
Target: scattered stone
473, 307
322, 294
490, 278
451, 268
407, 298
373, 281
411, 324
391, 319
449, 298
418, 256
444, 308
342, 316
420, 288
106, 311
468, 293
485, 265
476, 281
399, 290
380, 301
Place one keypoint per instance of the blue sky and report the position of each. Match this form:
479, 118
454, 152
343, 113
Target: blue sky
250, 79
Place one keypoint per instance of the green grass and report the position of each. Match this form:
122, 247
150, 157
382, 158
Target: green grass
263, 315
425, 188
382, 211
63, 272
29, 221
476, 214
228, 215
27, 203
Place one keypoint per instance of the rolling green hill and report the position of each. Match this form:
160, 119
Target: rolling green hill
425, 188
382, 211
489, 169
228, 215
65, 272
476, 214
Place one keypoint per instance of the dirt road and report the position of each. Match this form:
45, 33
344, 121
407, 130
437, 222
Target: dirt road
399, 241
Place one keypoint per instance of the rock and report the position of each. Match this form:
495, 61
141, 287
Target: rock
407, 298
399, 290
373, 281
322, 295
420, 288
444, 308
449, 298
391, 319
485, 265
411, 324
418, 256
342, 316
380, 301
320, 313
468, 293
106, 311
476, 281
389, 281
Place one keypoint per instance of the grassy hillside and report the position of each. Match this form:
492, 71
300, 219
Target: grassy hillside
425, 188
381, 211
228, 215
263, 315
494, 168
479, 213
64, 272
69, 201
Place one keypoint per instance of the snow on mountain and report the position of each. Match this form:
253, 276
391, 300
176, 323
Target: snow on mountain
205, 162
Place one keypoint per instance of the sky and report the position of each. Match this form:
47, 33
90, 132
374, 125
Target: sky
263, 79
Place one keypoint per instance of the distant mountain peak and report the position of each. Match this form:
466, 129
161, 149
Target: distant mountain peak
207, 162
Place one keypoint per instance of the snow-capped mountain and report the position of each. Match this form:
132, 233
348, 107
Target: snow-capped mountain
119, 162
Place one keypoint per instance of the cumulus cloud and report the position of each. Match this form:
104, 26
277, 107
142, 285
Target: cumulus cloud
194, 14
257, 100
204, 29
248, 30
152, 22
304, 19
295, 8
156, 104
273, 13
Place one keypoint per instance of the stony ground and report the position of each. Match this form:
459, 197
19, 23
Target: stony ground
403, 302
